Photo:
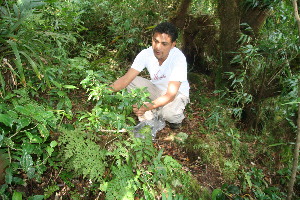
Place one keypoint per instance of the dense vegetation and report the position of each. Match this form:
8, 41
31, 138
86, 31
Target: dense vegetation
63, 134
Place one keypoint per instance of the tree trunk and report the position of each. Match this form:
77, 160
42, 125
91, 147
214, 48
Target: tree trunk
255, 18
297, 146
180, 17
199, 39
229, 31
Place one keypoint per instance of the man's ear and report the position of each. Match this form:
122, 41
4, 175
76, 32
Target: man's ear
174, 44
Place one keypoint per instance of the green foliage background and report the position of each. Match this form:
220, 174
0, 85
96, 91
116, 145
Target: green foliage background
57, 115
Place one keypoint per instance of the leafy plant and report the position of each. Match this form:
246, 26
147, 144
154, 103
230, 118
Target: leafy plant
123, 168
112, 109
253, 186
24, 138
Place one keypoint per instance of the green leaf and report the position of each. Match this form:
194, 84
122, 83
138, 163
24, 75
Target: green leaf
43, 130
17, 196
23, 110
6, 120
70, 87
34, 138
217, 194
8, 176
53, 144
26, 162
18, 61
1, 139
28, 148
9, 142
232, 189
61, 93
103, 186
49, 150
36, 197
12, 114
33, 64
31, 172
22, 123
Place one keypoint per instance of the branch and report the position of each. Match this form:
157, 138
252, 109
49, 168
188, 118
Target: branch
296, 13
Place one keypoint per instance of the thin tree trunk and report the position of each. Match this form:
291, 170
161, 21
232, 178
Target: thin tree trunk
297, 146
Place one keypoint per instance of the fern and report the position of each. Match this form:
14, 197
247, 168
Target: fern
82, 154
124, 180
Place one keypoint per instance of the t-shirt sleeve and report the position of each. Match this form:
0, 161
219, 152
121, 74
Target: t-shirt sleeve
139, 62
179, 71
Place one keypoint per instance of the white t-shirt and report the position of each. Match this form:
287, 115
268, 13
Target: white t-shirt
174, 68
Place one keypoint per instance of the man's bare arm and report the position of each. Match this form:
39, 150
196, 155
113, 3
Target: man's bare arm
125, 80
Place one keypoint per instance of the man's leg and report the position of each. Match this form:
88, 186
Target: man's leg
173, 112
139, 82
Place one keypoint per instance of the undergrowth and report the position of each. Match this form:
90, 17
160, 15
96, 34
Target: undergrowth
125, 168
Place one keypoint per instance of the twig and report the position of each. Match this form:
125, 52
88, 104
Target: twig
113, 131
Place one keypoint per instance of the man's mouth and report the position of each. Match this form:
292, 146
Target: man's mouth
157, 52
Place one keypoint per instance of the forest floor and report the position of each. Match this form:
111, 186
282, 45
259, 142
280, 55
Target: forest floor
206, 174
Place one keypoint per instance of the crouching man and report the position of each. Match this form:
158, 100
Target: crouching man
168, 87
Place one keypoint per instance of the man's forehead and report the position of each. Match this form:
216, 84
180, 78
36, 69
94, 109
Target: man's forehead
162, 37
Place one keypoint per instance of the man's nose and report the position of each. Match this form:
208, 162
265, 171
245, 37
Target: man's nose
158, 46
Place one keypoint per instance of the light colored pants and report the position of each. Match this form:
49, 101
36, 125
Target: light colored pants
173, 112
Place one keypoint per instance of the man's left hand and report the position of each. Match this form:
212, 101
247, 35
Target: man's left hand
141, 111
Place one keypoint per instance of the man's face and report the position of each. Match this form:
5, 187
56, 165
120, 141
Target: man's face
161, 45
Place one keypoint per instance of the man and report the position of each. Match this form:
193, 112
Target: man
168, 87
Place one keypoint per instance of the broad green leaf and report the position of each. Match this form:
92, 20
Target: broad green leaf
12, 114
31, 172
22, 123
217, 194
28, 148
26, 162
23, 110
43, 131
6, 120
34, 138
53, 144
17, 196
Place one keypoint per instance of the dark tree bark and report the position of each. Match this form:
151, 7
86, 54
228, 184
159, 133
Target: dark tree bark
199, 37
179, 19
255, 18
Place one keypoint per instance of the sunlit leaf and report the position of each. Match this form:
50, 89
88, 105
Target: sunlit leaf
6, 120
17, 196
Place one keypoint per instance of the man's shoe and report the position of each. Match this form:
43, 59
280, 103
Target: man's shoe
175, 125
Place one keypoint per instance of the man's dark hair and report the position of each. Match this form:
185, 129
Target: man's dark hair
167, 28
